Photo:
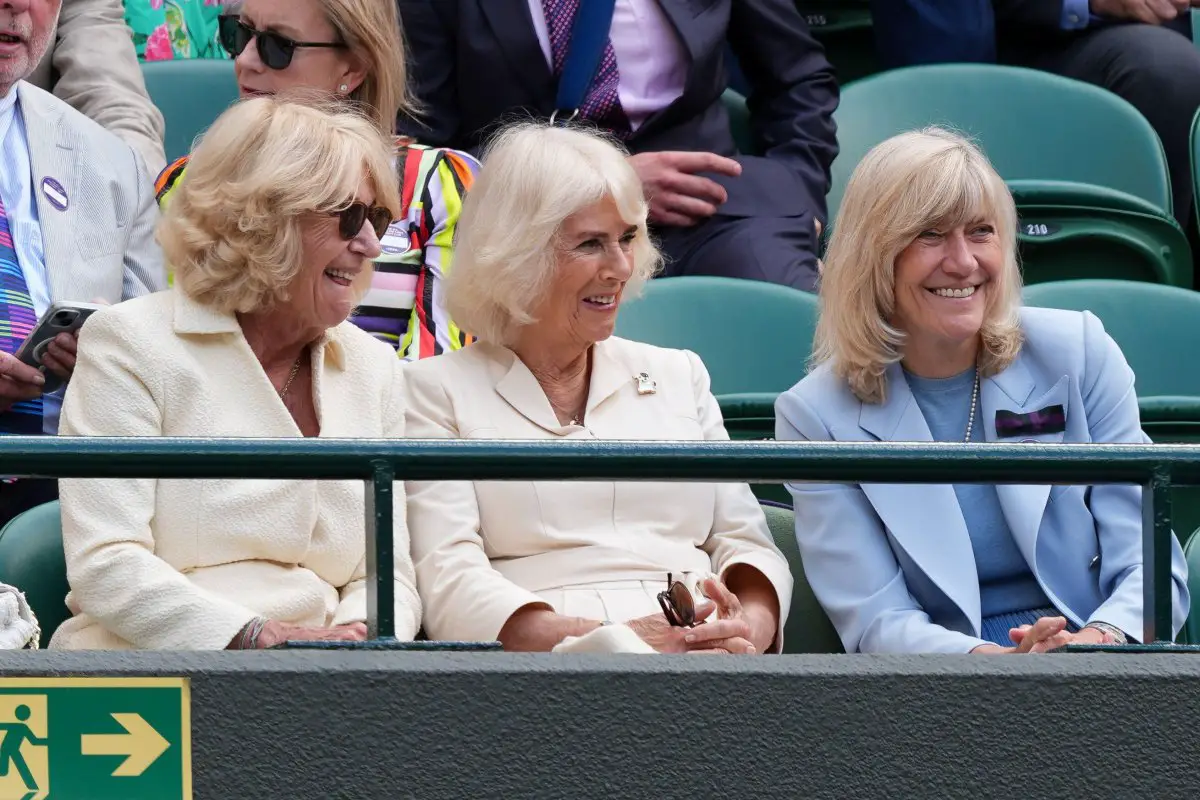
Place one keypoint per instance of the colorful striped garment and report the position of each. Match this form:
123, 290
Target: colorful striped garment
404, 304
17, 321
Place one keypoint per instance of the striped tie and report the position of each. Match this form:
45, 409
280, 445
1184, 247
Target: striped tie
602, 104
17, 319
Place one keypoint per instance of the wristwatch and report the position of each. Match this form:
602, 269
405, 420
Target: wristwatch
1116, 633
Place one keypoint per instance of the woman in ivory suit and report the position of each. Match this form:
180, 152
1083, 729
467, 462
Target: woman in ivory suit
271, 238
922, 338
552, 239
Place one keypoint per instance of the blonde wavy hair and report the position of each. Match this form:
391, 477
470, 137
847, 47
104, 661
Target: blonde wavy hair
913, 182
233, 230
371, 29
534, 177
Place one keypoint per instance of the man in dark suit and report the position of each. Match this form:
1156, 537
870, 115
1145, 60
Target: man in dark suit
1140, 50
478, 63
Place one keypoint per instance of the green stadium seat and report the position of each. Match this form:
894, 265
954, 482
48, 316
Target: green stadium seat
754, 337
844, 28
31, 558
1156, 327
739, 122
191, 94
1084, 212
808, 629
1195, 135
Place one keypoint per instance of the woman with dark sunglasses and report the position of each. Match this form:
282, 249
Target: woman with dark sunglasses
354, 49
271, 237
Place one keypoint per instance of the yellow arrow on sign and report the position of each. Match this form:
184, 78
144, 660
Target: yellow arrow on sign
142, 744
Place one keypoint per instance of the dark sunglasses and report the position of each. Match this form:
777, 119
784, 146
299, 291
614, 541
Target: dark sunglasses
351, 219
275, 49
677, 604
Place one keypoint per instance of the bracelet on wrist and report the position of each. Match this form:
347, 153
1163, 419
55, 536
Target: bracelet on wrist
1116, 633
249, 637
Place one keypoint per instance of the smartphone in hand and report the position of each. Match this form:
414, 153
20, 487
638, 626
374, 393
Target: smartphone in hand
61, 317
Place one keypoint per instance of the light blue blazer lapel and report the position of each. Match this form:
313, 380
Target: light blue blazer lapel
1015, 390
924, 519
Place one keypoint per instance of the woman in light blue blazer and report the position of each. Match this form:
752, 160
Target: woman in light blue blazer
922, 338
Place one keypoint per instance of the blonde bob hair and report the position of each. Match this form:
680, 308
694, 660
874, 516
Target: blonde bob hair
534, 177
232, 232
371, 30
917, 181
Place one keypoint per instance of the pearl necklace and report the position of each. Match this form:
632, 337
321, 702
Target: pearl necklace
974, 402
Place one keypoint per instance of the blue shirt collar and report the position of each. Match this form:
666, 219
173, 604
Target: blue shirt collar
8, 102
8, 109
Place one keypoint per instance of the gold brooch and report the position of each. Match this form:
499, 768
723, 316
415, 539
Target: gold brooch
645, 384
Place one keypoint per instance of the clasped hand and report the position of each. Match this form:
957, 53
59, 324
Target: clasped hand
275, 633
1050, 633
729, 632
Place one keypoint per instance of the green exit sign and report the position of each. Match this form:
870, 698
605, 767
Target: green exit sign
95, 739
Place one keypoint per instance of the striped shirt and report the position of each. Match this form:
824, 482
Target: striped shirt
404, 307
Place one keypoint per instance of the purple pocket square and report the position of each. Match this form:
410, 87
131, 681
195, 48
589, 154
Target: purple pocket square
1052, 419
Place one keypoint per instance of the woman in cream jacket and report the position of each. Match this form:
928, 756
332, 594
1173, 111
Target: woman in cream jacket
269, 236
552, 236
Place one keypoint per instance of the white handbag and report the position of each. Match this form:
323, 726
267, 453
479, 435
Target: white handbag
19, 628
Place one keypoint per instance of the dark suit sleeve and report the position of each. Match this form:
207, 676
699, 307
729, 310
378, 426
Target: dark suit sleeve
793, 90
429, 36
1029, 13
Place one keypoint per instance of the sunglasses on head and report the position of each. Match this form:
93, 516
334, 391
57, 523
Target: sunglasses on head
351, 219
274, 49
677, 604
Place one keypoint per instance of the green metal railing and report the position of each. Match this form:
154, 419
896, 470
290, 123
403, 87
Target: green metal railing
380, 462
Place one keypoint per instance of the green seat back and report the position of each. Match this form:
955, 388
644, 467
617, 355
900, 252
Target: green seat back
1083, 212
752, 336
844, 29
1073, 230
191, 94
808, 629
1195, 136
739, 122
1047, 128
1065, 243
31, 559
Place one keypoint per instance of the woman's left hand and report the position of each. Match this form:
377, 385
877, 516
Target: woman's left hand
1060, 639
759, 622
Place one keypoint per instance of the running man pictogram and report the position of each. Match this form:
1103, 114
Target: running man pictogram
18, 742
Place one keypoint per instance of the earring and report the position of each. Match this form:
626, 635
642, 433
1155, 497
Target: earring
343, 88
